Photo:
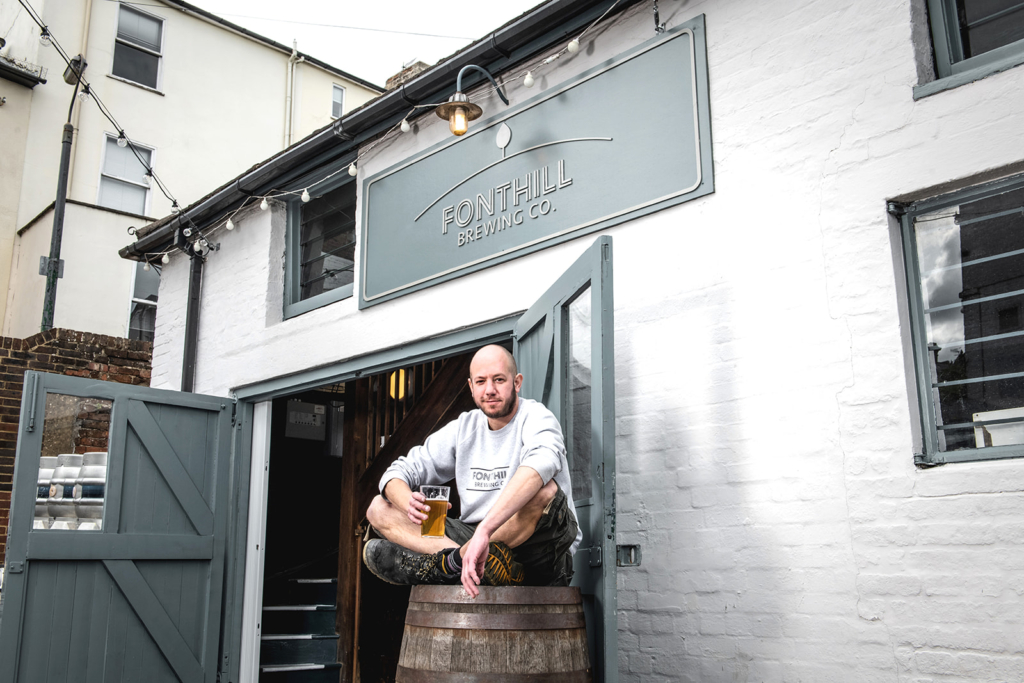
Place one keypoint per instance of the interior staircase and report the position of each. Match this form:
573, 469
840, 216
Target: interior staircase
298, 642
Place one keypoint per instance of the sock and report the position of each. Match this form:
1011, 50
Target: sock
453, 562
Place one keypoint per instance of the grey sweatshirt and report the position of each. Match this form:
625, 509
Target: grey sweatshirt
481, 461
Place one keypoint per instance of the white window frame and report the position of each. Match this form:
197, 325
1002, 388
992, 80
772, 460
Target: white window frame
334, 89
159, 55
103, 163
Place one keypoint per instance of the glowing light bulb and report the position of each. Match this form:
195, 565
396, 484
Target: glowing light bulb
352, 170
229, 225
574, 46
122, 141
305, 195
44, 38
146, 266
166, 259
405, 126
457, 122
528, 81
263, 205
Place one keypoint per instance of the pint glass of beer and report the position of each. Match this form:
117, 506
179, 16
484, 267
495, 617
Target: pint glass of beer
437, 500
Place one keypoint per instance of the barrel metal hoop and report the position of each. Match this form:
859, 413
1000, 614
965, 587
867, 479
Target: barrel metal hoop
495, 622
489, 595
406, 675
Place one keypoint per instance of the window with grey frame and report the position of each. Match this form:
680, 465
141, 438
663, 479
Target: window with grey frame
322, 243
138, 47
969, 34
142, 316
965, 268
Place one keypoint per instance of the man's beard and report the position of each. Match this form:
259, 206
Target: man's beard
504, 410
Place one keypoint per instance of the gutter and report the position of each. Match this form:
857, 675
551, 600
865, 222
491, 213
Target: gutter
513, 43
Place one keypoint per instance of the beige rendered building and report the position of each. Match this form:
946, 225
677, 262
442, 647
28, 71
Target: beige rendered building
200, 98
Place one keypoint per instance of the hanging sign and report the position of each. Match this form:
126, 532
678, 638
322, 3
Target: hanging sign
625, 138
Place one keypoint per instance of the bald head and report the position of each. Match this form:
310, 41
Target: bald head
493, 353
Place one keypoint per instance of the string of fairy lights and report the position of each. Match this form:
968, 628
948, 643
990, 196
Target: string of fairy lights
404, 126
198, 240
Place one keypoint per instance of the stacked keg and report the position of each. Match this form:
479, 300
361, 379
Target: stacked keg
71, 490
42, 520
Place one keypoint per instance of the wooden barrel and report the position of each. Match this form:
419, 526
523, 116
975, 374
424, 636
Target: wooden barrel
520, 634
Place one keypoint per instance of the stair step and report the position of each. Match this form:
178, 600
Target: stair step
316, 619
320, 591
300, 673
276, 649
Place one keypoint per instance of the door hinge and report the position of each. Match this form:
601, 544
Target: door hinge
627, 555
595, 556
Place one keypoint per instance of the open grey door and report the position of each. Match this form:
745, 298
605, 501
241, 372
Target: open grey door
564, 346
116, 552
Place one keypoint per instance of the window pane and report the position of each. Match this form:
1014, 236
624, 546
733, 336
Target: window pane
139, 28
73, 464
147, 282
578, 395
988, 24
327, 236
142, 321
115, 194
971, 260
135, 65
122, 162
339, 101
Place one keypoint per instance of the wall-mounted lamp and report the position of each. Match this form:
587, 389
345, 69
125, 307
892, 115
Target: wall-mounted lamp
459, 110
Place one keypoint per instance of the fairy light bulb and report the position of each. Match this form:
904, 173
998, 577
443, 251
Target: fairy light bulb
122, 141
528, 81
574, 45
405, 126
352, 170
263, 205
174, 207
229, 225
145, 266
44, 37
166, 259
305, 196
83, 94
458, 124
187, 232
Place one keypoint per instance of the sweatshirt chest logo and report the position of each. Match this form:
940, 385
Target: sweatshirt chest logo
487, 480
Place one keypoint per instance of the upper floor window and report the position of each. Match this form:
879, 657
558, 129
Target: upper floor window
137, 48
337, 101
123, 182
321, 248
965, 268
142, 316
968, 34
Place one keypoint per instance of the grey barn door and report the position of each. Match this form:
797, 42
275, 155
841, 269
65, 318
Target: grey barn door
564, 348
124, 581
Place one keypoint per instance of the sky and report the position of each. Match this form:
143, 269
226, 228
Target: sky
373, 55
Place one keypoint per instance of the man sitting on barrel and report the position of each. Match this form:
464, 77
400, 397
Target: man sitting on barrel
518, 524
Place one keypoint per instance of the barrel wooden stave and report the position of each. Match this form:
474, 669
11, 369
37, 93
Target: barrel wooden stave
522, 642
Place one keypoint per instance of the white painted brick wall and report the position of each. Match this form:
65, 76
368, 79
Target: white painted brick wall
764, 431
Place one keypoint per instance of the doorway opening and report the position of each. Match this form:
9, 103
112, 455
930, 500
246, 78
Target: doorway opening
325, 617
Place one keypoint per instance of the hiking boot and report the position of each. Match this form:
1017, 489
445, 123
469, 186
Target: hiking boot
501, 568
400, 566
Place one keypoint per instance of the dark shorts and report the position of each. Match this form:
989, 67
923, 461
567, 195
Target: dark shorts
545, 555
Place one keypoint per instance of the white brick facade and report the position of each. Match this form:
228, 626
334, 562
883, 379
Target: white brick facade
765, 430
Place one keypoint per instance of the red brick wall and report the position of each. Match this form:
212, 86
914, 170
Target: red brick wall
63, 352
